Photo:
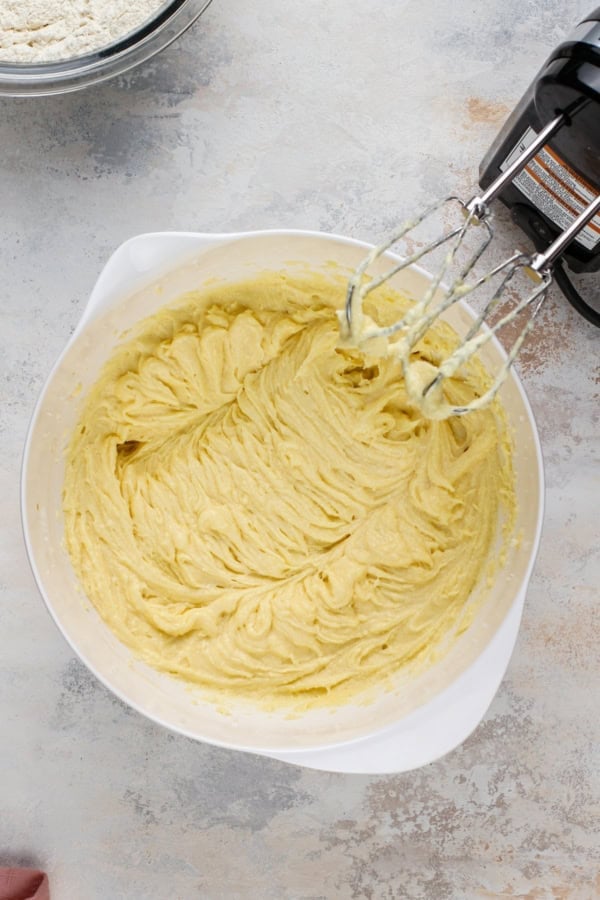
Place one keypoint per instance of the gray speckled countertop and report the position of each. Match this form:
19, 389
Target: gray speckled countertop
337, 116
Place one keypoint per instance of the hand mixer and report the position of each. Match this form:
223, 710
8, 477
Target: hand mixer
550, 178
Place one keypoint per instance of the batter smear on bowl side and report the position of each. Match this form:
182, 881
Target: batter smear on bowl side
262, 512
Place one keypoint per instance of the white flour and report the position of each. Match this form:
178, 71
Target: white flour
44, 30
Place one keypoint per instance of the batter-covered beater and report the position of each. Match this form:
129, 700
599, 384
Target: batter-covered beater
545, 166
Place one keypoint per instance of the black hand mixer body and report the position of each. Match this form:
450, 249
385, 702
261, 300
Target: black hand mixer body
565, 176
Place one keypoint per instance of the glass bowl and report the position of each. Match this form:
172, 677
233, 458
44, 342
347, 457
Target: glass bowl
62, 76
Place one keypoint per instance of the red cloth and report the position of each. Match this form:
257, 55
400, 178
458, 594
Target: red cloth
23, 884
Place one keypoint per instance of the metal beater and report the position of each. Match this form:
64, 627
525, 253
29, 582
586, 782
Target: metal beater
424, 382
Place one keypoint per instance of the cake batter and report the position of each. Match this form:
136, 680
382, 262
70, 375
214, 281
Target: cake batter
262, 512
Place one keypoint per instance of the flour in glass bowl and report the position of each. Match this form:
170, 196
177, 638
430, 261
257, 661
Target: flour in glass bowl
36, 31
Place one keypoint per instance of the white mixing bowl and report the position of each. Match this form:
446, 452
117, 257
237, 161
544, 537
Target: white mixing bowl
423, 717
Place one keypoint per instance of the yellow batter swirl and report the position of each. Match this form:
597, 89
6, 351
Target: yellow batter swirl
259, 511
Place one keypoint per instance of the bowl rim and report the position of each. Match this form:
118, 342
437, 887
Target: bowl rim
439, 697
